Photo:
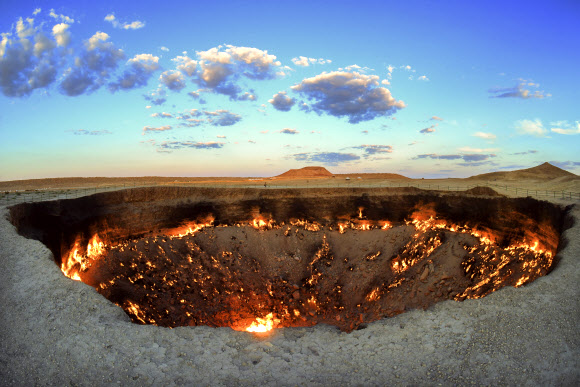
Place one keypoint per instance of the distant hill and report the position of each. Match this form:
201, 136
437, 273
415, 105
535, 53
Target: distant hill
384, 176
306, 172
321, 172
545, 171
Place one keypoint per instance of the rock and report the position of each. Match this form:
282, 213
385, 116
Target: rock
424, 274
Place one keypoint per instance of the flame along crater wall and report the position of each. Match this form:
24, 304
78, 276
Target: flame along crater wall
258, 259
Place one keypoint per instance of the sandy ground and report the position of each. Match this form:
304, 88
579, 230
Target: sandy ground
54, 331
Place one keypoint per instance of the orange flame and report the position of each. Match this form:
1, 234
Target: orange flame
262, 325
76, 262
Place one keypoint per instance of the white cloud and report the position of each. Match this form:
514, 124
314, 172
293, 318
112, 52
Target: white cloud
220, 68
305, 61
521, 90
531, 127
423, 78
429, 129
62, 18
563, 127
163, 48
141, 68
348, 94
150, 129
135, 25
173, 80
186, 65
222, 117
61, 34
282, 102
93, 67
485, 136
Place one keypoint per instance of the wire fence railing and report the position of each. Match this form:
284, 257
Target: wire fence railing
39, 195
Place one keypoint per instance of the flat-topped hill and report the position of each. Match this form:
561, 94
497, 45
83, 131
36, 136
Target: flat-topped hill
306, 172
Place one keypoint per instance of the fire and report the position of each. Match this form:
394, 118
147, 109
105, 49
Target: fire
76, 262
95, 248
386, 225
360, 212
189, 228
262, 325
262, 224
69, 266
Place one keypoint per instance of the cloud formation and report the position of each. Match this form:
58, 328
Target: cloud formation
563, 127
126, 26
465, 157
222, 118
141, 68
328, 158
530, 152
289, 131
430, 129
156, 97
485, 136
54, 15
162, 115
521, 90
566, 164
151, 129
305, 61
282, 102
374, 150
173, 145
93, 67
173, 80
220, 68
84, 132
29, 58
435, 118
531, 127
348, 94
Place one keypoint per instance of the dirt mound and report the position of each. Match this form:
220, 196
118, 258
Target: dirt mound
482, 191
545, 171
306, 172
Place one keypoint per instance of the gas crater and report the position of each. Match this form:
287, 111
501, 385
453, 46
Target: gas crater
255, 260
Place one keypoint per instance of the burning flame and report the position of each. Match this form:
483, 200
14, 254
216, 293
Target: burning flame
189, 228
262, 224
76, 262
262, 325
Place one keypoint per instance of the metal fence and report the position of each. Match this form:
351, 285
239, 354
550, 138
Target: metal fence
14, 197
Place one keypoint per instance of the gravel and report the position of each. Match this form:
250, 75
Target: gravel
55, 331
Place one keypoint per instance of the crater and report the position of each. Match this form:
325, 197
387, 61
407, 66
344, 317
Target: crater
255, 259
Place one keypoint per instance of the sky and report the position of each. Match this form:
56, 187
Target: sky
429, 89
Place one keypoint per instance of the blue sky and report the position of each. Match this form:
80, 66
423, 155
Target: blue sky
236, 88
